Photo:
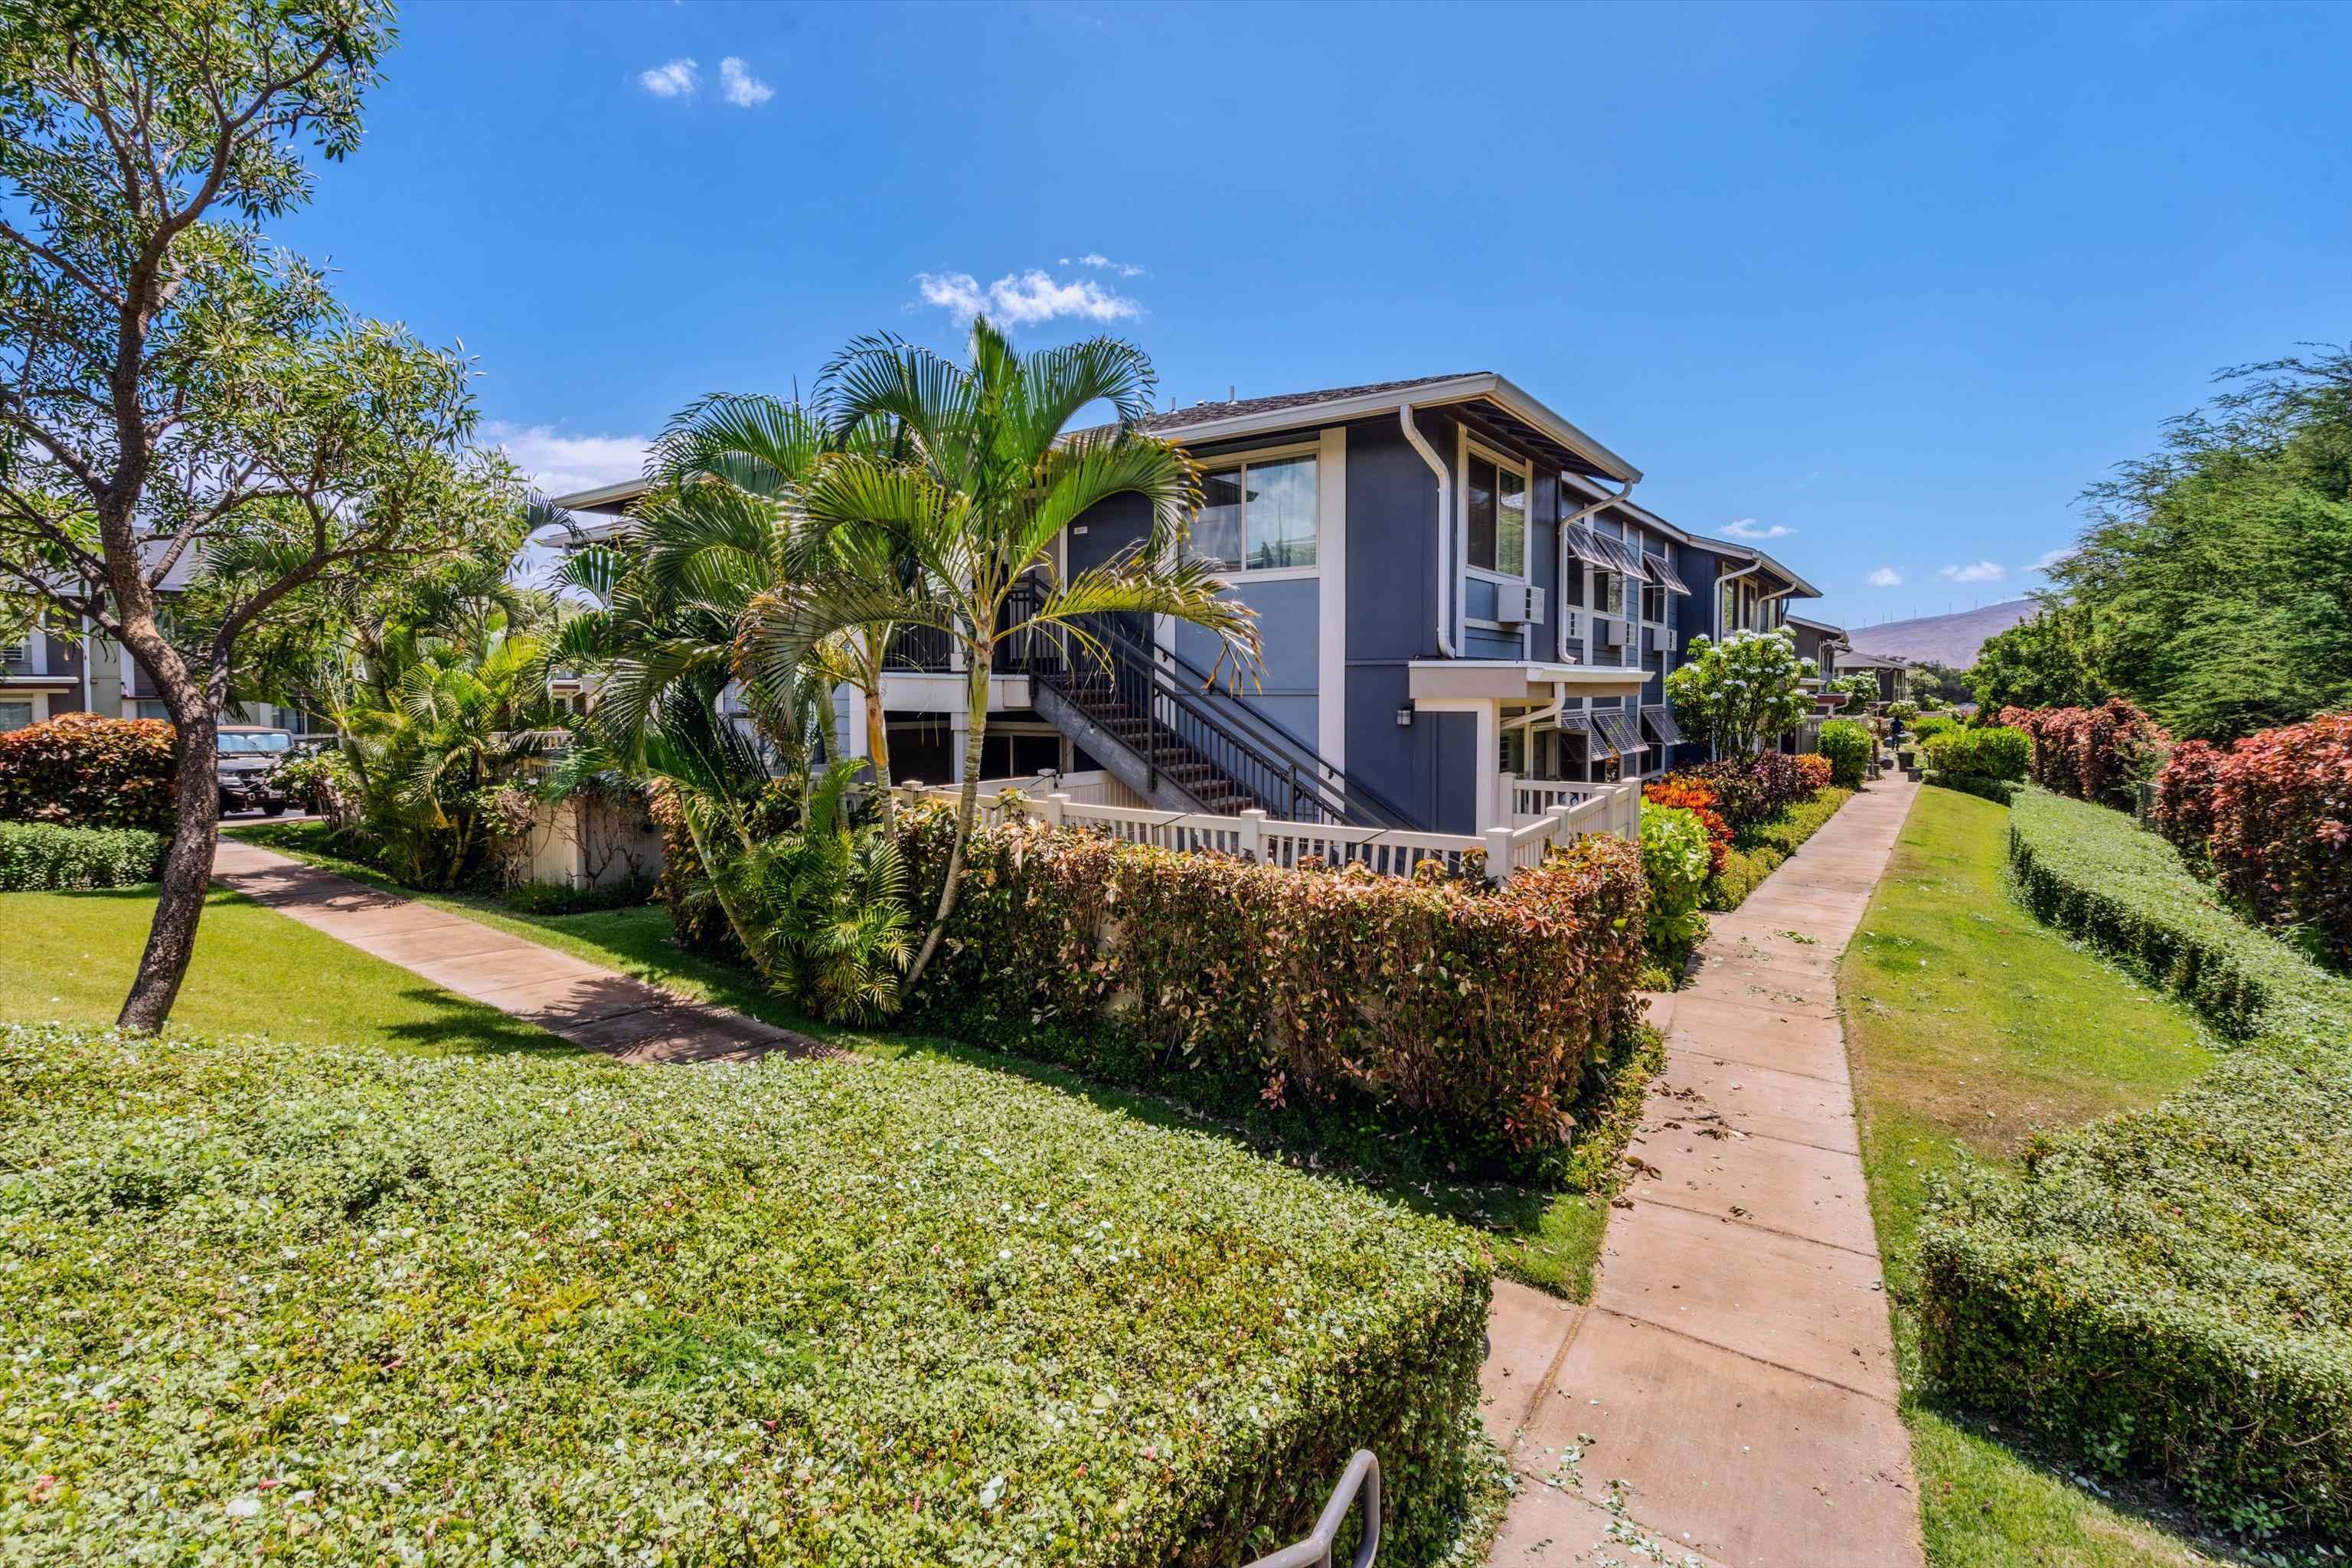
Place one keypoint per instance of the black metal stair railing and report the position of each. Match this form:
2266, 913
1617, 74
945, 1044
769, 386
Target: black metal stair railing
1223, 753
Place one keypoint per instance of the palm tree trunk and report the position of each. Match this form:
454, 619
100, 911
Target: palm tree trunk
718, 891
967, 807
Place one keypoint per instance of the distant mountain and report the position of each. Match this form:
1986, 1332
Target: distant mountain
1943, 639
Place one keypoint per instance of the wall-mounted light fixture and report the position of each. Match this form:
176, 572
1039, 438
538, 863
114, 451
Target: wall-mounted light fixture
1404, 718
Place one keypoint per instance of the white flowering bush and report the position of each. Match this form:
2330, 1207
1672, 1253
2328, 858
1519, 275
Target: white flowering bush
1739, 693
271, 1303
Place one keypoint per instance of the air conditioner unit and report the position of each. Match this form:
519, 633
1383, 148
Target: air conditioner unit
1517, 604
1572, 623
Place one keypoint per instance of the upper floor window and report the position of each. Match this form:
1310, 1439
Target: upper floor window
1608, 593
1258, 515
1495, 503
1726, 617
1654, 603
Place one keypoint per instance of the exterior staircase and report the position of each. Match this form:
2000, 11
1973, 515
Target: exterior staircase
1151, 717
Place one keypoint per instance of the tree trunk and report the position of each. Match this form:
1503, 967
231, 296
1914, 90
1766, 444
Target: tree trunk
188, 866
967, 806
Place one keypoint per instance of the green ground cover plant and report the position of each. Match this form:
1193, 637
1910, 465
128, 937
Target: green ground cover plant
36, 855
2166, 1291
800, 1312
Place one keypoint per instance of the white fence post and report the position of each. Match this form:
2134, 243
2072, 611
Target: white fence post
1051, 809
1252, 834
1498, 854
1506, 810
1562, 835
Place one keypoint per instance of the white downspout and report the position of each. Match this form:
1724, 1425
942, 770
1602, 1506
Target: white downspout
1444, 528
1722, 631
1560, 600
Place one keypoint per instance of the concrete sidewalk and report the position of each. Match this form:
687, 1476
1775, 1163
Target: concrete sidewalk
565, 996
1728, 1397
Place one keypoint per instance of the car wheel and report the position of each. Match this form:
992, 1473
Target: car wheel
274, 808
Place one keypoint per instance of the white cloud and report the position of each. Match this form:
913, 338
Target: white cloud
678, 78
1017, 298
1746, 527
1886, 577
558, 464
739, 86
1982, 572
1096, 259
2052, 557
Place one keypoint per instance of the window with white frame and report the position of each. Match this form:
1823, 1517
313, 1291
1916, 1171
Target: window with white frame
1259, 514
1727, 614
1608, 593
15, 716
1654, 603
1494, 510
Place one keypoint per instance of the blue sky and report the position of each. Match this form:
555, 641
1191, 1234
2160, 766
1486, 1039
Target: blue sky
1898, 280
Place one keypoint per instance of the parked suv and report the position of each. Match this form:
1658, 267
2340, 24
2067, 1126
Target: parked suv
250, 755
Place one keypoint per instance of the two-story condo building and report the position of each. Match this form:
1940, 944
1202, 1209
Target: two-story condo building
1460, 603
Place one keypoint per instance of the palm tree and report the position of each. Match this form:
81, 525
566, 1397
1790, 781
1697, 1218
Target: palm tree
966, 481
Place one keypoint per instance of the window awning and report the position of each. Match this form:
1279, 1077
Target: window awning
1661, 720
1614, 727
1585, 545
1575, 722
1662, 570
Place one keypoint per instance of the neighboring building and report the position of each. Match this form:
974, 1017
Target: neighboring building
48, 674
1458, 606
1892, 671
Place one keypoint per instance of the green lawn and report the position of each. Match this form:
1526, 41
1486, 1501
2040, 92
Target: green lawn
71, 957
1969, 1025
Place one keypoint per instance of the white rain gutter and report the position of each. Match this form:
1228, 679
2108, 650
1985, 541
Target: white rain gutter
1444, 529
1729, 577
1559, 601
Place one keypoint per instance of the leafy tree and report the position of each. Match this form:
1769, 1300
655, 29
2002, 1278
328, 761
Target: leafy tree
988, 481
180, 401
2214, 579
2045, 662
1940, 682
1738, 694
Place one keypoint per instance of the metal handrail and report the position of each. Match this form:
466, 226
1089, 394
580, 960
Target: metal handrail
1360, 1485
1340, 797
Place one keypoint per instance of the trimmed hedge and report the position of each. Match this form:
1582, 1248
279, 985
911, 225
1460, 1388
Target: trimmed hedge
2096, 875
37, 855
1460, 1012
2169, 1290
2090, 753
1993, 753
81, 771
2281, 842
1848, 747
270, 1302
1764, 847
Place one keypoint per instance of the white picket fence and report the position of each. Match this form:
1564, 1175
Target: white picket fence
1562, 819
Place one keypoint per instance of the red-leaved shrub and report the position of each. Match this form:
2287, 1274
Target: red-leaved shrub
2183, 809
2091, 753
1816, 769
2281, 837
1467, 1012
1750, 791
81, 771
1682, 792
